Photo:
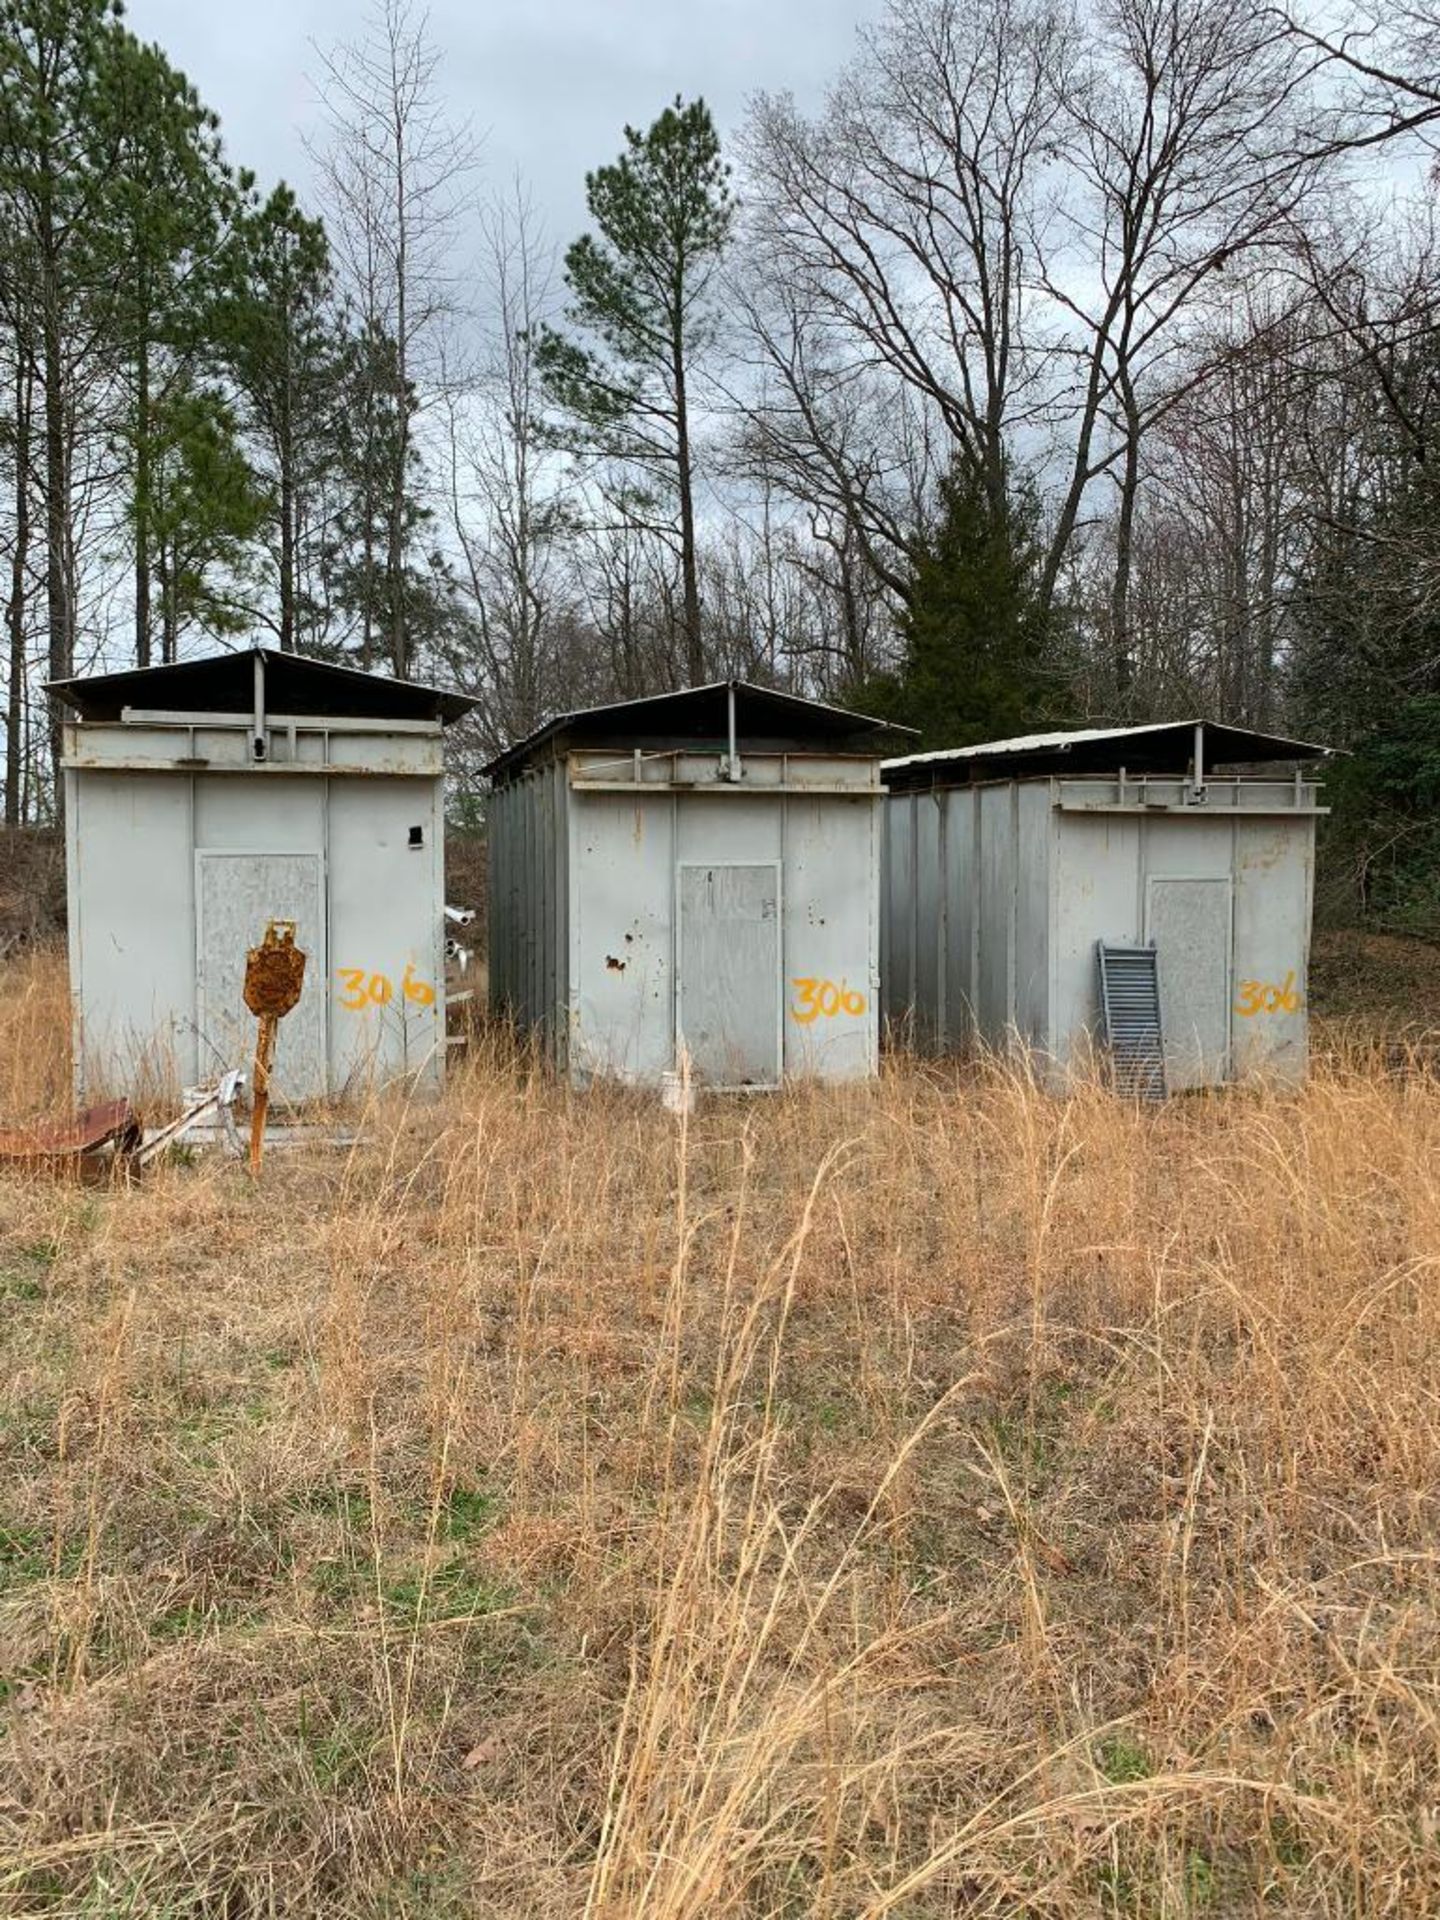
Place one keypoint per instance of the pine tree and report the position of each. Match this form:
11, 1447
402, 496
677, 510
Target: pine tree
165, 215
204, 507
641, 296
974, 637
277, 332
378, 573
61, 125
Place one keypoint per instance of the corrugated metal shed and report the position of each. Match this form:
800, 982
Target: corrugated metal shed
204, 799
1007, 862
696, 872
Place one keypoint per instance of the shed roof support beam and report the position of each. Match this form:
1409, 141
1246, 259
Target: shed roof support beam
257, 735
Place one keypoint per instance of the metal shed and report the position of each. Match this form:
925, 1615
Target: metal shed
204, 799
697, 871
1006, 863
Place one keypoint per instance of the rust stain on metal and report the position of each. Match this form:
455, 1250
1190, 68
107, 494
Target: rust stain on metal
114, 1124
274, 972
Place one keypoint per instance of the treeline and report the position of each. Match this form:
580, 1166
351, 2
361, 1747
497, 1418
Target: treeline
1068, 363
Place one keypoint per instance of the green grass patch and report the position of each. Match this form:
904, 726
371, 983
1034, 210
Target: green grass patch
467, 1512
451, 1591
28, 1553
23, 1271
1122, 1760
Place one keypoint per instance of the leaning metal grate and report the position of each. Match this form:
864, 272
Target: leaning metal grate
1130, 1002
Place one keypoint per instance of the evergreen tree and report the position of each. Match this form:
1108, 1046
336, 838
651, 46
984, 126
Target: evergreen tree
640, 294
383, 594
165, 211
973, 661
1366, 674
277, 332
204, 507
62, 64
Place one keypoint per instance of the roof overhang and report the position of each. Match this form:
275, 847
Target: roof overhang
225, 683
764, 718
1163, 747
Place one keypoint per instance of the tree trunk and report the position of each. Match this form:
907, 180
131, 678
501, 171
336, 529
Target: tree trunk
142, 502
1120, 637
694, 650
15, 608
395, 532
286, 462
57, 504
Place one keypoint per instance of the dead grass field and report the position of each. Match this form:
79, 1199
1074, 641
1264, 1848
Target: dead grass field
920, 1500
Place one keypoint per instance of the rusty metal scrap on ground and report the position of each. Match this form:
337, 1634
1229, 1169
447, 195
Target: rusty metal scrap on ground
111, 1131
112, 1136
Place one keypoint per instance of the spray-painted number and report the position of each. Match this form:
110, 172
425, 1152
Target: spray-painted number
824, 999
1264, 996
378, 990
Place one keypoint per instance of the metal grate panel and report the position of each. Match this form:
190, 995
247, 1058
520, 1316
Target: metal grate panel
1130, 1003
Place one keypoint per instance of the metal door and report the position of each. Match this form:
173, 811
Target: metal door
728, 985
1189, 921
235, 895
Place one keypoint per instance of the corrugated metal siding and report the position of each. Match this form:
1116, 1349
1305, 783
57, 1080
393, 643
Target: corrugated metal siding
1013, 893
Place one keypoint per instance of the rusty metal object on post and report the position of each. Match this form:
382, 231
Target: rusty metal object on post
274, 976
274, 972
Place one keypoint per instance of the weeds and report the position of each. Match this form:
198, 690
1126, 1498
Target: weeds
912, 1499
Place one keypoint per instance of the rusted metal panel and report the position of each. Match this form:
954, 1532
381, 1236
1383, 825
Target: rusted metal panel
113, 1123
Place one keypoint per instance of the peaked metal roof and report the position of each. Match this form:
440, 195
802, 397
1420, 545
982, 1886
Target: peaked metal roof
695, 716
1165, 746
225, 683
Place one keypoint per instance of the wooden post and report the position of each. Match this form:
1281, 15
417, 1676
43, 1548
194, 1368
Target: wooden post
264, 1054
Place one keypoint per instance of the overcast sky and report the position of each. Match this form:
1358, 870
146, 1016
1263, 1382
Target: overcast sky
547, 84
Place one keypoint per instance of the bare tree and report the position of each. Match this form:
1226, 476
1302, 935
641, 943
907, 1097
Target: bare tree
395, 169
1387, 60
908, 217
1010, 215
1180, 138
509, 508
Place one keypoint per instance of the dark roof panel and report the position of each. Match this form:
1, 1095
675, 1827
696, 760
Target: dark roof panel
1165, 747
700, 717
225, 683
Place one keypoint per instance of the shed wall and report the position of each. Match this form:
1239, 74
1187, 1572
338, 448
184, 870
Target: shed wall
587, 873
528, 904
134, 839
967, 924
1263, 845
995, 895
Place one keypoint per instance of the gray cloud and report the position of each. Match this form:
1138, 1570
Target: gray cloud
546, 86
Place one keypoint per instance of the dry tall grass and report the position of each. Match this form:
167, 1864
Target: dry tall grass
929, 1498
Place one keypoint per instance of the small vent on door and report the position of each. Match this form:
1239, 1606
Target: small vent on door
1130, 1002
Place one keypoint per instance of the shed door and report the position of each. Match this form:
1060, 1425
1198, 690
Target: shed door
728, 1014
1189, 921
236, 894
